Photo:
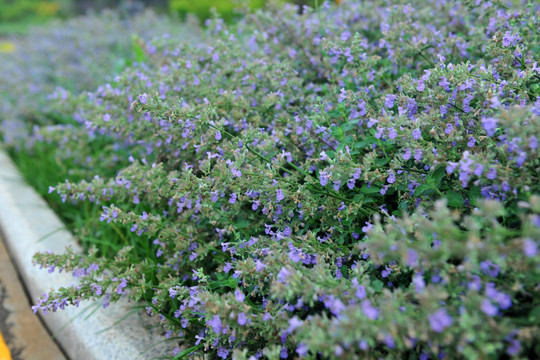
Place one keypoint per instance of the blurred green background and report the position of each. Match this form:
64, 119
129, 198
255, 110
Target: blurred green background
16, 16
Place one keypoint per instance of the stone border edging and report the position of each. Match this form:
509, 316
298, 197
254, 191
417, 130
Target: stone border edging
29, 226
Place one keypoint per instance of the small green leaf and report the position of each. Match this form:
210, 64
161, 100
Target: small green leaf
423, 189
454, 199
370, 190
377, 285
438, 174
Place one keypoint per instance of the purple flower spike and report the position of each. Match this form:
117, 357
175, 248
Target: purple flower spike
279, 195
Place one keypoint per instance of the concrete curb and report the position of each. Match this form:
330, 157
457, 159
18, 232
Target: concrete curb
29, 226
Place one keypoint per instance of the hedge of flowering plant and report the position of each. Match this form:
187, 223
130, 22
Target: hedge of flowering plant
360, 181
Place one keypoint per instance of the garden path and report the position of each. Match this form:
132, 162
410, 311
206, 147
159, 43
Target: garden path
22, 335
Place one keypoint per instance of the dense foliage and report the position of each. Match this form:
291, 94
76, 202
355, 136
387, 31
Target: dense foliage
358, 181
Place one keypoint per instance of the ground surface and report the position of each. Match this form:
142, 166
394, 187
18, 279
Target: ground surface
20, 329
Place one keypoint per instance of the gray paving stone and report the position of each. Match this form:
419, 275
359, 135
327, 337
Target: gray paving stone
27, 223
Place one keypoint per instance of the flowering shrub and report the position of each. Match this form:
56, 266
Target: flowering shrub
360, 181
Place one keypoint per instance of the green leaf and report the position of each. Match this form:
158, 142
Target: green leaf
184, 353
423, 189
474, 195
377, 285
438, 174
370, 190
454, 199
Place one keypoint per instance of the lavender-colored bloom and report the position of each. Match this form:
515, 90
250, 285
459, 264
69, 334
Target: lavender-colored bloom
239, 295
488, 308
360, 292
242, 319
215, 323
143, 98
418, 282
369, 310
368, 227
389, 101
283, 275
392, 134
218, 135
492, 174
530, 247
490, 268
478, 170
233, 198
323, 178
391, 177
514, 348
106, 117
223, 352
302, 349
294, 323
389, 341
418, 154
440, 320
407, 154
490, 125
471, 142
279, 195
416, 134
533, 142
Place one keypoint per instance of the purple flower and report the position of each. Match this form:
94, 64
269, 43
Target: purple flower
218, 135
490, 268
488, 308
492, 174
418, 282
392, 134
222, 352
279, 195
120, 287
389, 101
490, 125
407, 154
143, 98
514, 348
106, 117
440, 320
232, 199
368, 227
416, 134
283, 275
294, 323
242, 319
323, 178
239, 295
302, 349
215, 323
369, 310
391, 177
530, 248
360, 292
471, 142
478, 170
